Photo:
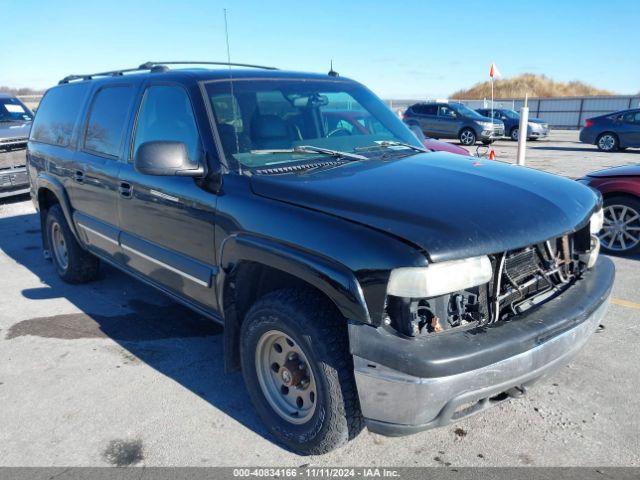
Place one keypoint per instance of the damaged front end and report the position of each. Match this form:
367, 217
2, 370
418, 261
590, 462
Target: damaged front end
463, 336
517, 280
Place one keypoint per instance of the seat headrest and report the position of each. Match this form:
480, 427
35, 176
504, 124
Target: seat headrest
268, 127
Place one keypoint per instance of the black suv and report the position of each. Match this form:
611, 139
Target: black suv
453, 120
360, 281
15, 123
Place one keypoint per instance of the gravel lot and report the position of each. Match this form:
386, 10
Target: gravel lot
113, 373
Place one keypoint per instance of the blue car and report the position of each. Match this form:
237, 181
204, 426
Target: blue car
536, 127
614, 131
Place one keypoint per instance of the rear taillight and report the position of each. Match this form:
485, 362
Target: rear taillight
588, 122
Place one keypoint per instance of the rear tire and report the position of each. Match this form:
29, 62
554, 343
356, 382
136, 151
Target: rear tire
286, 326
72, 262
467, 137
607, 142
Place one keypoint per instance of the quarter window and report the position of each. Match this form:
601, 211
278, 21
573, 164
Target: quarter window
166, 115
58, 113
107, 120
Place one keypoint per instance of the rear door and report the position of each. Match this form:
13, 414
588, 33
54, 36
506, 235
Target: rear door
629, 130
167, 222
96, 165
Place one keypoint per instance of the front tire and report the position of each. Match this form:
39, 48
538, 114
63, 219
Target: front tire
467, 137
621, 232
298, 371
72, 262
608, 142
515, 134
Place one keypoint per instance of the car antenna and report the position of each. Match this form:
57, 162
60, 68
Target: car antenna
332, 72
233, 98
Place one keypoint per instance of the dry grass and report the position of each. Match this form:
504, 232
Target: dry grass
534, 85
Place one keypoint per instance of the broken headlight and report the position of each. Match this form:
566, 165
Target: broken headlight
417, 298
439, 278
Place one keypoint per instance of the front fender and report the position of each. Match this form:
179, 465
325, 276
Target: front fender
336, 281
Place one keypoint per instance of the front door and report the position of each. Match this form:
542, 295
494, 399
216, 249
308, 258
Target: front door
167, 222
447, 122
629, 129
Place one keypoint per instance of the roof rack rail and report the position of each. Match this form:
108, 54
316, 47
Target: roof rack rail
148, 65
112, 73
154, 67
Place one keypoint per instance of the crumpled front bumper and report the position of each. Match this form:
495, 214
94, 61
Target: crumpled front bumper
402, 391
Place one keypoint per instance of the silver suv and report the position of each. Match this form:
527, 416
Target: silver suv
453, 120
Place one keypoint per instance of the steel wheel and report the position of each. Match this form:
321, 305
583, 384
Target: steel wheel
621, 231
607, 142
467, 137
59, 246
285, 377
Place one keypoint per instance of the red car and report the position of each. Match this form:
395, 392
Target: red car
353, 122
620, 188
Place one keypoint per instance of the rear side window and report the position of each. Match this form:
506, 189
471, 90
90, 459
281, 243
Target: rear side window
166, 114
107, 120
425, 109
58, 113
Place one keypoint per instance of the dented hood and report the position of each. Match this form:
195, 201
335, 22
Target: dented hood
447, 205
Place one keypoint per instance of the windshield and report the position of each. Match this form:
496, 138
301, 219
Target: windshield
465, 111
12, 109
511, 114
258, 119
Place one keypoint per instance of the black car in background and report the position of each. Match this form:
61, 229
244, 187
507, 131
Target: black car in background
614, 131
15, 124
536, 127
453, 120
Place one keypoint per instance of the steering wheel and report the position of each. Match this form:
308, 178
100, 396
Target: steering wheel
338, 132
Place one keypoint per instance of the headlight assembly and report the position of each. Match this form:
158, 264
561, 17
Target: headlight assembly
596, 222
439, 278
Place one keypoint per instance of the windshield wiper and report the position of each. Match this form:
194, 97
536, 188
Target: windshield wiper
301, 149
395, 143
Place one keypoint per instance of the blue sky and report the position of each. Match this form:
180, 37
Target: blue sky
402, 49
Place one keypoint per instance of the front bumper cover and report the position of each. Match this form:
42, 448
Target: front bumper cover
414, 385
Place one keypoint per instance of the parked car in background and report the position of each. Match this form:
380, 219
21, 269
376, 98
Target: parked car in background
536, 127
453, 120
620, 188
15, 124
360, 280
614, 131
356, 122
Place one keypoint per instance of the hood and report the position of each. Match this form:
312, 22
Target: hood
448, 205
440, 146
623, 171
14, 129
537, 120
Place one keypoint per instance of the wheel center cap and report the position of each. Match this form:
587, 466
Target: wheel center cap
286, 377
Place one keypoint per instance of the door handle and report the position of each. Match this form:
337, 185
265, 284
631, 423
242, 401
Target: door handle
125, 189
78, 176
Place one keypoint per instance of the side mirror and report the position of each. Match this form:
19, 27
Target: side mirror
166, 159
